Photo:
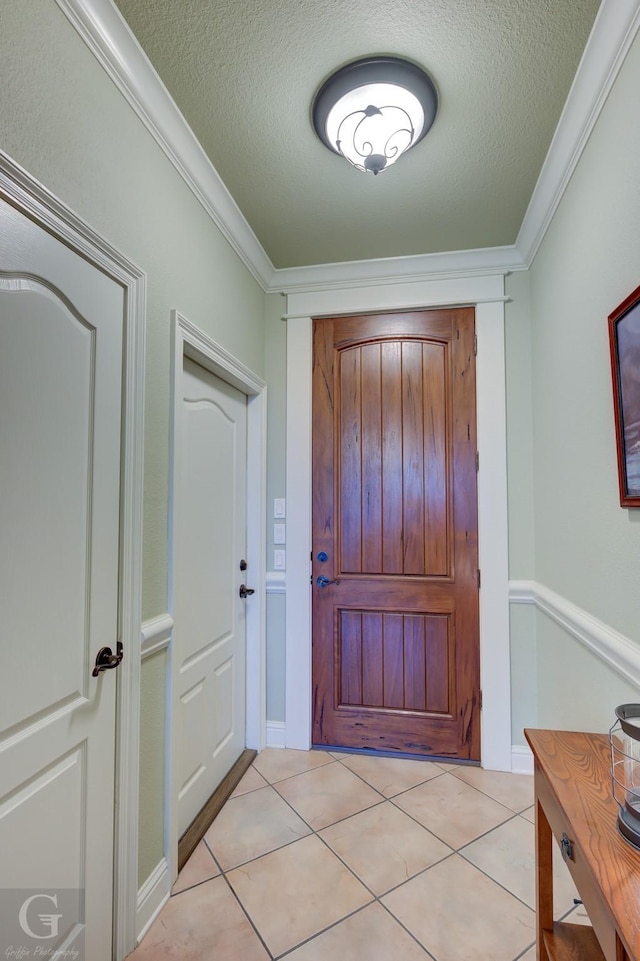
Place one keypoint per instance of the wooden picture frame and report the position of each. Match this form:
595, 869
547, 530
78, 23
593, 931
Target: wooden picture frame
624, 341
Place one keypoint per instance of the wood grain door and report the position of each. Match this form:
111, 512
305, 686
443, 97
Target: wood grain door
395, 560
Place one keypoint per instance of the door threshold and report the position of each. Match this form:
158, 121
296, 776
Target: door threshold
372, 752
205, 818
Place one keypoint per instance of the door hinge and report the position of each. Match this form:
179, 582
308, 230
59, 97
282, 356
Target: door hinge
479, 579
475, 344
480, 699
477, 461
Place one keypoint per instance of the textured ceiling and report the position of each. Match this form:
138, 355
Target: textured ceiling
244, 74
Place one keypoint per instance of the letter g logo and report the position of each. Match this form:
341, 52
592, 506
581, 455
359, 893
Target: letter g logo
48, 921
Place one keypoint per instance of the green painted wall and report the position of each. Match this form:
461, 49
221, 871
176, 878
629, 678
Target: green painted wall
64, 121
587, 549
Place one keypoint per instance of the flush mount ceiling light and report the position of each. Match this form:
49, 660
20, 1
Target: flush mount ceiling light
371, 111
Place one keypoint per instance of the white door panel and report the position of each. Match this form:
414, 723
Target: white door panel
210, 532
60, 396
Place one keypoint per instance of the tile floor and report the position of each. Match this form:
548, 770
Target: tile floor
331, 856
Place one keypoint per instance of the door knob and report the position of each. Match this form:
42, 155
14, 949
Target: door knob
106, 660
246, 591
323, 581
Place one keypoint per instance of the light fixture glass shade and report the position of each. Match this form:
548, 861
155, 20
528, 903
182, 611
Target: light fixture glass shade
374, 110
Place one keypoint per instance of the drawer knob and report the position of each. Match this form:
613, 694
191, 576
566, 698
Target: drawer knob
566, 846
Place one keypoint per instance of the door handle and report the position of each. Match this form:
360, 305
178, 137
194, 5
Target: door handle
323, 581
246, 591
106, 660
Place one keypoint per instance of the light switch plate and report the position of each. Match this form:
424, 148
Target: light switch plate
279, 507
279, 560
279, 534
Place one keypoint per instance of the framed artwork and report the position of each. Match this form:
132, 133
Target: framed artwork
624, 340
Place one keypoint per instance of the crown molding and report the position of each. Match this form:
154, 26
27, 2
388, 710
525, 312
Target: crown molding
614, 30
108, 36
106, 33
397, 270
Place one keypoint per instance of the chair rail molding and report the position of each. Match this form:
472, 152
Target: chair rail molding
276, 582
108, 36
612, 647
156, 634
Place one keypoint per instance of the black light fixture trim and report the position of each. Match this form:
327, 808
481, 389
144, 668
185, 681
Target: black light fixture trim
391, 70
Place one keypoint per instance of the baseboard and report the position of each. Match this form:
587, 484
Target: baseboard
521, 760
612, 647
152, 897
205, 818
276, 734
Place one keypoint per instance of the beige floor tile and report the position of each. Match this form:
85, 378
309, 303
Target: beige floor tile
384, 846
578, 916
530, 955
252, 825
452, 810
275, 764
295, 892
515, 791
507, 854
370, 935
200, 867
204, 923
327, 794
468, 916
251, 781
391, 775
529, 814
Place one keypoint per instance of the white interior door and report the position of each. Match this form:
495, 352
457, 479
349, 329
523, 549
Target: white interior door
61, 327
209, 614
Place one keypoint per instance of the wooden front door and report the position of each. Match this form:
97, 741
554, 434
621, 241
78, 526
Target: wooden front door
395, 559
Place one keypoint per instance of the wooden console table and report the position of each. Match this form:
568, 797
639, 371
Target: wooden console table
574, 804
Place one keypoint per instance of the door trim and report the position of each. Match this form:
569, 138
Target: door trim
190, 341
35, 201
487, 295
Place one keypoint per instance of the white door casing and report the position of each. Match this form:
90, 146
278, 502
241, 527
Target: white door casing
209, 615
71, 481
191, 344
486, 293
